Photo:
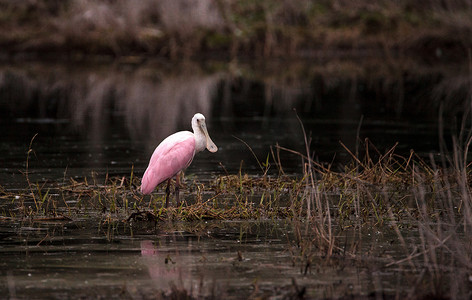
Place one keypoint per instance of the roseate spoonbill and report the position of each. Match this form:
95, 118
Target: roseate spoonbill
174, 154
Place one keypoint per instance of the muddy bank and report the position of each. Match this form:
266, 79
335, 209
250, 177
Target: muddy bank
432, 31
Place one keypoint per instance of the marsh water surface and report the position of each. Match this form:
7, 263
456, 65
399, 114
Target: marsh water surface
109, 117
99, 120
90, 259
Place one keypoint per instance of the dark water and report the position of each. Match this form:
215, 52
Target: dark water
108, 118
234, 260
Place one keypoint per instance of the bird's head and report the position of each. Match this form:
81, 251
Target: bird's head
198, 123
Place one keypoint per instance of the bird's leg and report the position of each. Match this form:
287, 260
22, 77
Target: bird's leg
177, 188
167, 192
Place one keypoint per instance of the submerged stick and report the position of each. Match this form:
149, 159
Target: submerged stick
27, 169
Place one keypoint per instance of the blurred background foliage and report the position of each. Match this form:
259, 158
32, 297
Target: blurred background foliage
432, 29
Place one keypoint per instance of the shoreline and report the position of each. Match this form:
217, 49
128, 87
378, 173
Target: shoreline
231, 30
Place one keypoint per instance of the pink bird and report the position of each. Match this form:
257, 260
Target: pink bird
174, 154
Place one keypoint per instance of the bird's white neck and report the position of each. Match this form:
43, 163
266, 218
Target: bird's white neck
200, 139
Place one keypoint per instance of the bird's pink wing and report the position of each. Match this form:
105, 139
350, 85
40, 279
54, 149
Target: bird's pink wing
173, 154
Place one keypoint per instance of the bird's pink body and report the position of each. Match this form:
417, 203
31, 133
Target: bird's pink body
173, 154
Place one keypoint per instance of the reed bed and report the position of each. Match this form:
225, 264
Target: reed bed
375, 188
382, 190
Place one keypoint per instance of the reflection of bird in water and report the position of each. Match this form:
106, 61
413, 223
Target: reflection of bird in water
164, 274
147, 248
174, 154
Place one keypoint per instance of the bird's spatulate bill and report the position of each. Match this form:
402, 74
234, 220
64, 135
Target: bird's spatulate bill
209, 143
211, 146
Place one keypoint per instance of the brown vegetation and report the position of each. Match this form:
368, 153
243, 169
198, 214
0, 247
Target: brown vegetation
380, 190
176, 28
